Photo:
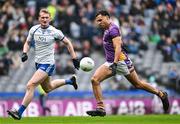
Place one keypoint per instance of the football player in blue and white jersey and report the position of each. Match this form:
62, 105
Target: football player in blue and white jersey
44, 36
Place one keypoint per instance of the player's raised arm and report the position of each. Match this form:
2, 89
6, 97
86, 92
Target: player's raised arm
69, 45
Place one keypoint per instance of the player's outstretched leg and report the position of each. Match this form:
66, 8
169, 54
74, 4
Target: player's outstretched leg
165, 101
14, 114
134, 79
74, 83
97, 112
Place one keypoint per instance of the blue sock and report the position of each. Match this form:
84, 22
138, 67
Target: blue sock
21, 109
68, 81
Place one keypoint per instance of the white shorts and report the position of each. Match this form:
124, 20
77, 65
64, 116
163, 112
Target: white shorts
124, 67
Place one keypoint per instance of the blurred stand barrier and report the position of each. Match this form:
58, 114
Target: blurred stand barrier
134, 102
88, 94
78, 107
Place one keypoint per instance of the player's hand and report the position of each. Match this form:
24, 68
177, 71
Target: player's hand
76, 63
113, 67
24, 57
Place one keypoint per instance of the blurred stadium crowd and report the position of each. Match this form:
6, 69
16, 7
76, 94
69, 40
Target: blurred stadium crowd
150, 30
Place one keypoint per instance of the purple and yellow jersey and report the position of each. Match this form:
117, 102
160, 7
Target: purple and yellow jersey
109, 34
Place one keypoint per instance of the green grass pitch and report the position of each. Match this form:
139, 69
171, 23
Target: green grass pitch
121, 119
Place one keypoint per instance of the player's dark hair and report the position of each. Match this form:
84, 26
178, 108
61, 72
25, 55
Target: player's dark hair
103, 12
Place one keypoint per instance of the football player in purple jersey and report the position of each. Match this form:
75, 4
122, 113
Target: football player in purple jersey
117, 62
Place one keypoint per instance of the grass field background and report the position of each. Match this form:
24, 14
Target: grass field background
122, 119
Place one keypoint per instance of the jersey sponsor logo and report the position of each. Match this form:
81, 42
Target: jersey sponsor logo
41, 38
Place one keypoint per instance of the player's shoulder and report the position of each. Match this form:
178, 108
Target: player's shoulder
54, 29
113, 27
35, 27
114, 30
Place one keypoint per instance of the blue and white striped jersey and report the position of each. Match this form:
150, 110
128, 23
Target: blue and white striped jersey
44, 40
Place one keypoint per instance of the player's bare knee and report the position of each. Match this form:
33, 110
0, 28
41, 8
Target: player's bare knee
30, 86
94, 81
